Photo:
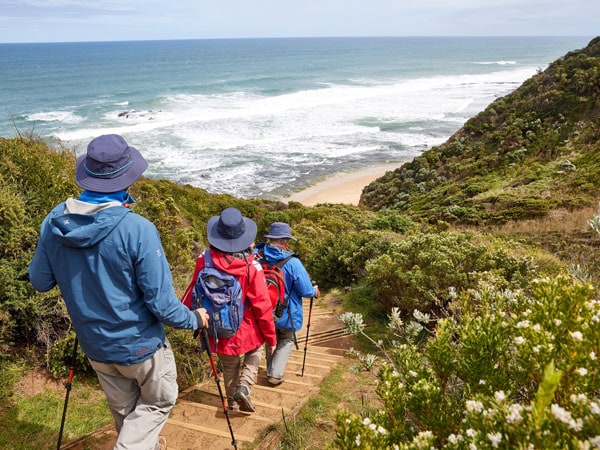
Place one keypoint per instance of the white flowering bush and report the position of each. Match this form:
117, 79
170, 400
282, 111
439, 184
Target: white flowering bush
506, 370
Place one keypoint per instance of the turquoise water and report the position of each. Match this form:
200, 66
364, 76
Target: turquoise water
264, 117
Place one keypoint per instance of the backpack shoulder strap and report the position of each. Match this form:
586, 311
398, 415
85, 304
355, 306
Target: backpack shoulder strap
207, 259
187, 296
282, 262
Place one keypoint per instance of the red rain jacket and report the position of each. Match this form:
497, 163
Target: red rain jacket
257, 326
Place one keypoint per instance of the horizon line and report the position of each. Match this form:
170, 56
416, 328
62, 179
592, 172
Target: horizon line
306, 37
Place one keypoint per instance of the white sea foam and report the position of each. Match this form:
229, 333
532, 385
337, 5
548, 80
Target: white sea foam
56, 116
213, 140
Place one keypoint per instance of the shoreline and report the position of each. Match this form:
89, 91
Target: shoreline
343, 188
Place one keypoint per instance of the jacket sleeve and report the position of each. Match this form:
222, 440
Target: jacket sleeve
261, 305
41, 275
156, 282
302, 285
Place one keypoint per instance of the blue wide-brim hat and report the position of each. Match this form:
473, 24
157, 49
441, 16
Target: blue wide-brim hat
110, 165
280, 230
231, 232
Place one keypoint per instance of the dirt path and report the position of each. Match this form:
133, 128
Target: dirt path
197, 420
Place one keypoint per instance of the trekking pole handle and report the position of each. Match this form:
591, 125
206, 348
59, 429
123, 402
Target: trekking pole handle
205, 342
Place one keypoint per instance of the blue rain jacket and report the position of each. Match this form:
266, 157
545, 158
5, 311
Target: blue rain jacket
297, 285
116, 282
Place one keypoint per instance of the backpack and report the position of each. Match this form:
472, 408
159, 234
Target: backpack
275, 283
220, 293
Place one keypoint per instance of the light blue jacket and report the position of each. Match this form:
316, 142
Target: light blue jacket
297, 285
116, 282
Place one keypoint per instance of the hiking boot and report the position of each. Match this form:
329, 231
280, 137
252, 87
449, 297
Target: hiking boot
274, 381
233, 408
242, 396
162, 443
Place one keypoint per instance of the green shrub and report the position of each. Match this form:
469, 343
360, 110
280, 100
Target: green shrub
511, 370
419, 271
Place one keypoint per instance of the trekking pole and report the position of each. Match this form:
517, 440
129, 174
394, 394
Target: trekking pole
68, 387
206, 344
307, 330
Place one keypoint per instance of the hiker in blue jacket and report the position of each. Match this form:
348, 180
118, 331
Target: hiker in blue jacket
297, 285
116, 283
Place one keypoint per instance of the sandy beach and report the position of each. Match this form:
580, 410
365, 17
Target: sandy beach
341, 188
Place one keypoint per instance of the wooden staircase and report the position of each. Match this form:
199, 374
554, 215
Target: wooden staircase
198, 422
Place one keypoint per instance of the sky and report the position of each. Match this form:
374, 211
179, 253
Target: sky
116, 20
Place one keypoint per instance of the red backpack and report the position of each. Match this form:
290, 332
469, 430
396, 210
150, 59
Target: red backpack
275, 283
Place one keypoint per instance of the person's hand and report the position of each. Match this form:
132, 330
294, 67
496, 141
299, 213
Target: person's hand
270, 350
202, 316
317, 291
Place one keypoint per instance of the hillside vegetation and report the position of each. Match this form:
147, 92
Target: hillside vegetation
529, 153
482, 337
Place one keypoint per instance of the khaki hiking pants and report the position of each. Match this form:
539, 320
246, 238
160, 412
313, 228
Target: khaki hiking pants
140, 397
232, 376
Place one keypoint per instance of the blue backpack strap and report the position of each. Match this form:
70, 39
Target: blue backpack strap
208, 259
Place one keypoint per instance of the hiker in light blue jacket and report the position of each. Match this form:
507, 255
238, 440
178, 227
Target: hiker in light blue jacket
297, 285
116, 283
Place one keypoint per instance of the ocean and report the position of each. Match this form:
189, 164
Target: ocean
263, 118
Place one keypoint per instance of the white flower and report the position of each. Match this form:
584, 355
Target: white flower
381, 430
348, 421
577, 335
514, 413
595, 408
593, 356
357, 440
473, 405
482, 382
472, 446
564, 416
537, 348
582, 371
523, 324
579, 399
421, 317
537, 328
560, 413
557, 322
471, 432
452, 293
595, 441
366, 421
495, 438
412, 373
519, 340
500, 396
453, 439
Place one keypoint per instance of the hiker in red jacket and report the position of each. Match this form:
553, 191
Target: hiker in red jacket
231, 238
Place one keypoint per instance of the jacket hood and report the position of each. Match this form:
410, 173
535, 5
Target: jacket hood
272, 253
230, 264
84, 230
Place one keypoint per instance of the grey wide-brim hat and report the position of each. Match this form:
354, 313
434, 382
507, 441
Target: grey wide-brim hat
231, 232
110, 165
280, 230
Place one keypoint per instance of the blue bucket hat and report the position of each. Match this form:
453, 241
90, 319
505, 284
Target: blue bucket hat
231, 232
280, 230
110, 165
